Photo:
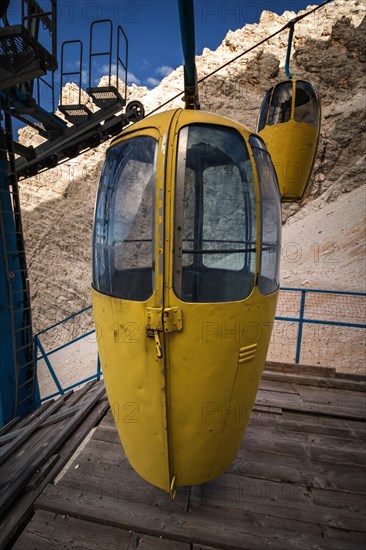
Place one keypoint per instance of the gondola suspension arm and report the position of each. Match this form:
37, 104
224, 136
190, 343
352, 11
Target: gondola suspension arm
289, 45
186, 17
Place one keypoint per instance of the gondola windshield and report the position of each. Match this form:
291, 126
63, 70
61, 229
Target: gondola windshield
289, 123
290, 99
215, 237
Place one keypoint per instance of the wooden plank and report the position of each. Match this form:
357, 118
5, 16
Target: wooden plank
282, 386
48, 530
9, 426
266, 409
283, 500
35, 414
10, 436
107, 434
300, 470
311, 380
27, 420
270, 422
79, 394
323, 372
24, 435
15, 485
320, 447
40, 475
112, 453
336, 538
121, 482
108, 421
291, 534
68, 411
344, 399
296, 403
17, 517
332, 424
202, 525
310, 423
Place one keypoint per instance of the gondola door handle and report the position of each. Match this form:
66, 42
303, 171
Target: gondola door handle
159, 351
154, 325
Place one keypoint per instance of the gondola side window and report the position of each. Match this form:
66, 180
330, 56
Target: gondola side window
215, 213
280, 105
270, 218
306, 104
123, 247
264, 110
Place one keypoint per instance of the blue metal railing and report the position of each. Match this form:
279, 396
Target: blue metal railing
301, 320
45, 356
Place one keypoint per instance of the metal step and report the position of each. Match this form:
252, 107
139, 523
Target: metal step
26, 383
25, 365
23, 309
13, 252
18, 62
23, 328
22, 347
29, 396
12, 233
11, 212
18, 270
48, 126
106, 96
76, 114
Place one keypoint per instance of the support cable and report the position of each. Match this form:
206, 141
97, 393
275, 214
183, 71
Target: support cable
287, 26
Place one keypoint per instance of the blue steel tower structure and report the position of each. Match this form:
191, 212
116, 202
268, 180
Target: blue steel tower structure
26, 64
22, 60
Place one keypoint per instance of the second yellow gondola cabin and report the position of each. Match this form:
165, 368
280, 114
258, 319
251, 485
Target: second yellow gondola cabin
185, 284
289, 123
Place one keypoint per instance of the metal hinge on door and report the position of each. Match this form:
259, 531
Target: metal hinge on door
158, 320
172, 319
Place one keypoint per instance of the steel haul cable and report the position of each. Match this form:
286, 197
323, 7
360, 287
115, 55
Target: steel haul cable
288, 25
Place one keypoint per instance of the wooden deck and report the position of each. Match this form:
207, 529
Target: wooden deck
298, 481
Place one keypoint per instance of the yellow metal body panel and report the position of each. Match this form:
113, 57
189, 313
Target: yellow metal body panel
135, 384
210, 393
292, 146
193, 403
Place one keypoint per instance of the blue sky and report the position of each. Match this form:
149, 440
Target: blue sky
152, 27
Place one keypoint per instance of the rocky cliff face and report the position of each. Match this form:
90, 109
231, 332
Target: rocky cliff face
328, 50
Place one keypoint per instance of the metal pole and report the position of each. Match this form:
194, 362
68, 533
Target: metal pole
288, 53
186, 17
301, 323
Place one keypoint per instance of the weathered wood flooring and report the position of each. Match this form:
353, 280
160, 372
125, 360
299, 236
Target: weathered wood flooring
33, 450
298, 482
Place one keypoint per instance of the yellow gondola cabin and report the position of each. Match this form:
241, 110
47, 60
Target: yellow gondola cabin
289, 123
185, 284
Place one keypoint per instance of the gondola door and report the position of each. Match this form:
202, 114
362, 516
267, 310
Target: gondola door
128, 295
213, 320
